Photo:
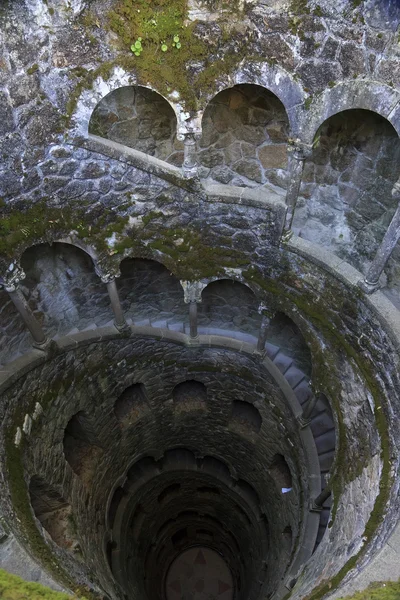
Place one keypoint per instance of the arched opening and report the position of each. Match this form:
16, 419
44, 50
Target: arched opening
141, 119
82, 449
230, 307
346, 202
245, 417
131, 405
189, 396
114, 504
53, 512
14, 337
63, 289
287, 346
244, 140
151, 295
280, 473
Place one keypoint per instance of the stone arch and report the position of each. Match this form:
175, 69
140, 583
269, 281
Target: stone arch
14, 336
101, 87
132, 404
53, 512
118, 495
139, 118
368, 95
245, 130
280, 472
189, 396
82, 449
275, 79
287, 345
151, 294
245, 418
229, 306
346, 201
63, 289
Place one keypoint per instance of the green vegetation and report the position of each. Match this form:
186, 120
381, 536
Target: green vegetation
15, 588
157, 42
32, 69
380, 590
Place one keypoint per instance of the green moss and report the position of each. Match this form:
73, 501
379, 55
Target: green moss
388, 590
156, 23
308, 102
32, 69
15, 588
22, 228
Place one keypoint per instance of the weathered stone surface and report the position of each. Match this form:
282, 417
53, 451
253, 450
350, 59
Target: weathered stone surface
273, 157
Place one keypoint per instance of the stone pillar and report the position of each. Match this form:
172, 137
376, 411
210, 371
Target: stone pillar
190, 165
193, 319
110, 280
392, 236
266, 317
317, 503
11, 285
192, 296
298, 153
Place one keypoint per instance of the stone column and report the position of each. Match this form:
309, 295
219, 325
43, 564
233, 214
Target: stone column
11, 285
298, 153
190, 165
192, 296
266, 317
392, 236
110, 280
193, 319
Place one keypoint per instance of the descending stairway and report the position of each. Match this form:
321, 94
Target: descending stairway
321, 421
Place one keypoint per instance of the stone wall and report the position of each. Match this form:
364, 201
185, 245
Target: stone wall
244, 138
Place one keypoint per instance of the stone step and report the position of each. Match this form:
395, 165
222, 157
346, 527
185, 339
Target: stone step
325, 442
271, 350
176, 326
302, 391
142, 322
283, 362
321, 423
326, 460
293, 376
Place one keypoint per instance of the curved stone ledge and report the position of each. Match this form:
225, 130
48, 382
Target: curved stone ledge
386, 312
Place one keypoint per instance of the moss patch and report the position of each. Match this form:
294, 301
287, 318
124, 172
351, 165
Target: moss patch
381, 590
15, 588
190, 67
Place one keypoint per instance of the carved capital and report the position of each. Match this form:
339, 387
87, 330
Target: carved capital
396, 190
192, 291
299, 150
14, 275
106, 276
266, 311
